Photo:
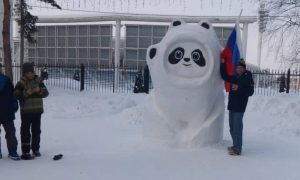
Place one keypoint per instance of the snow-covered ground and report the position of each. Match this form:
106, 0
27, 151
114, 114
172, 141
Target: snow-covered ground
100, 136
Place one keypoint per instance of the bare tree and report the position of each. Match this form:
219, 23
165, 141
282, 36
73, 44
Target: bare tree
283, 29
6, 38
27, 23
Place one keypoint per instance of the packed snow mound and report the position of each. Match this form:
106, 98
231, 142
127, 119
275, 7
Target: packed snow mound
284, 111
186, 106
99, 105
100, 142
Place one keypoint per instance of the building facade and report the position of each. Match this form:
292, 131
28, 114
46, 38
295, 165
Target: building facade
80, 40
94, 44
140, 37
71, 44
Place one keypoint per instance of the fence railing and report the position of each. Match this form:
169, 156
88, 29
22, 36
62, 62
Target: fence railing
83, 77
271, 82
130, 79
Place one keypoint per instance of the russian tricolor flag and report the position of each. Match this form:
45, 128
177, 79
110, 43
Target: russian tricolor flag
232, 52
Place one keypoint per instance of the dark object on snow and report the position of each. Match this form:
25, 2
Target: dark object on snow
57, 157
146, 79
76, 76
44, 74
138, 85
282, 84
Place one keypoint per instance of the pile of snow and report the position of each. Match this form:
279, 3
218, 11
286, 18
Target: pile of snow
101, 137
284, 111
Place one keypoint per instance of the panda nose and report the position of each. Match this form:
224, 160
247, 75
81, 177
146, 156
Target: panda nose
186, 59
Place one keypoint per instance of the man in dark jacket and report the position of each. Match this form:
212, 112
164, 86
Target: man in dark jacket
30, 90
8, 107
241, 87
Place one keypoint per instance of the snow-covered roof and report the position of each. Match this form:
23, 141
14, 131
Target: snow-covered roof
141, 17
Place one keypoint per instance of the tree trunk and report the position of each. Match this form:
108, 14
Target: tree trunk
6, 38
22, 34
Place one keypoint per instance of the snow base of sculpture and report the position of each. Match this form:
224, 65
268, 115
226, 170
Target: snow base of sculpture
185, 132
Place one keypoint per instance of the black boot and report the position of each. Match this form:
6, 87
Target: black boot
37, 154
27, 156
234, 152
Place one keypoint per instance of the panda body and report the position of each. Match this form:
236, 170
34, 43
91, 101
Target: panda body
186, 105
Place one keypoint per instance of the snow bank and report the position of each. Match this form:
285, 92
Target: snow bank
100, 136
276, 114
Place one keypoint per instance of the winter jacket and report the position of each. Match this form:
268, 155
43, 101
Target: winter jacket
238, 99
31, 103
8, 104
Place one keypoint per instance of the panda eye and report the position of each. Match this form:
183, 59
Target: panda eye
196, 56
178, 54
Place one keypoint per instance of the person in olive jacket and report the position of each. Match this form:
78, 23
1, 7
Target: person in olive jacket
29, 91
241, 87
8, 108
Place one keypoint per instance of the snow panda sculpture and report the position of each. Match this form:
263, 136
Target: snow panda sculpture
186, 106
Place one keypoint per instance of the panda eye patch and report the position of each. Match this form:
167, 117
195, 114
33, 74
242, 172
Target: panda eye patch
198, 57
176, 55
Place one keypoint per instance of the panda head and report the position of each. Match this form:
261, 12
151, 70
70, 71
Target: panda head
187, 52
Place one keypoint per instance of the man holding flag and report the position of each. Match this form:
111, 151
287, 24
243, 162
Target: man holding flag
239, 84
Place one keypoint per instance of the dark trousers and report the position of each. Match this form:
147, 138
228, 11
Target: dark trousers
236, 128
30, 132
10, 136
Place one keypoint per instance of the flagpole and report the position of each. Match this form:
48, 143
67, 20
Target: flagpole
239, 39
239, 17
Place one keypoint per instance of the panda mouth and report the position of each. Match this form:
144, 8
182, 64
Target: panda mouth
187, 64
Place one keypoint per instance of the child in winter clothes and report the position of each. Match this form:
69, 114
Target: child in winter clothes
8, 107
29, 91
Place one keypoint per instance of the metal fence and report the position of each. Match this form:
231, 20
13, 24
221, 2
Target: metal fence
102, 78
90, 78
272, 82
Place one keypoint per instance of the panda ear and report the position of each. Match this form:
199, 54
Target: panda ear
205, 24
151, 52
176, 23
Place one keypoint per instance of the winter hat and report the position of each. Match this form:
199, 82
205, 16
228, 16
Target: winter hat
27, 67
242, 63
